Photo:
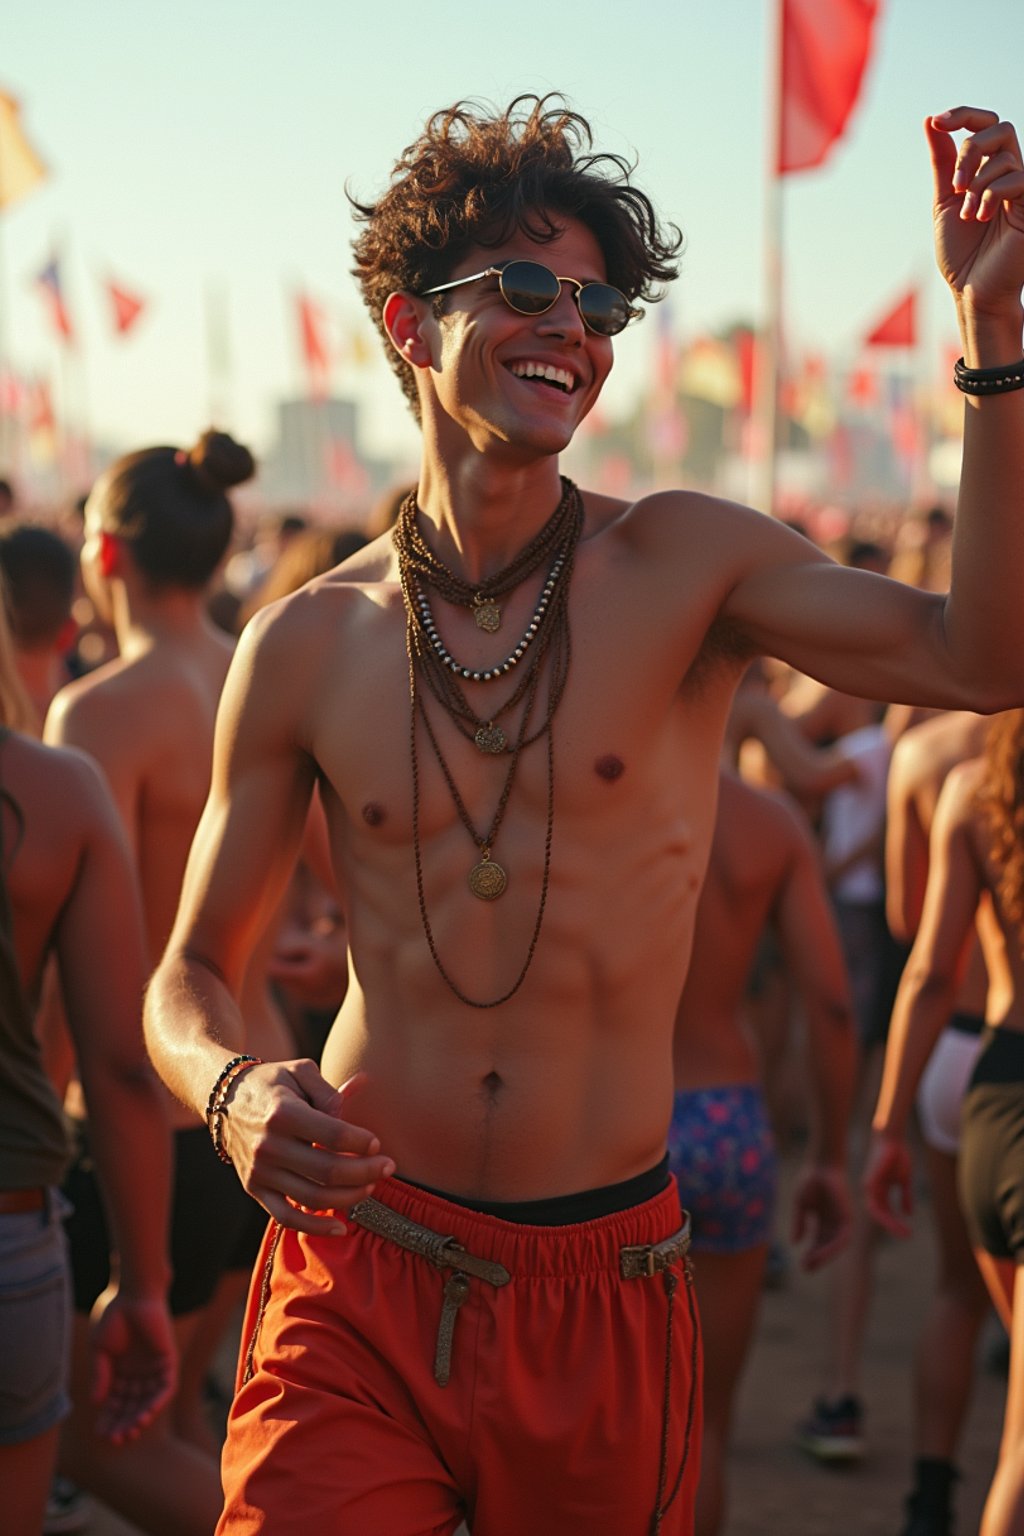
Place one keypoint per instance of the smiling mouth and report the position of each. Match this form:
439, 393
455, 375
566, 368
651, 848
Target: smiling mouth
545, 374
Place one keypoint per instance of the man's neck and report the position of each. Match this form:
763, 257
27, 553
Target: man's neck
477, 516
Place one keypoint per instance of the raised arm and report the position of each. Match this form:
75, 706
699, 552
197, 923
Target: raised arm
284, 1129
926, 994
863, 633
814, 960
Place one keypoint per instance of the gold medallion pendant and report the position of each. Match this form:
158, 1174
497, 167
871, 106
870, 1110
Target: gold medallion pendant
487, 613
487, 879
491, 738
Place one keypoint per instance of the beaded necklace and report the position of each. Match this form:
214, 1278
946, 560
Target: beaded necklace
547, 638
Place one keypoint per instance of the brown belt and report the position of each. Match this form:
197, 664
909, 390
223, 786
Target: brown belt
15, 1202
635, 1263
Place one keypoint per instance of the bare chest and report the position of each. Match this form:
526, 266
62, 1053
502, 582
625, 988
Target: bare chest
624, 733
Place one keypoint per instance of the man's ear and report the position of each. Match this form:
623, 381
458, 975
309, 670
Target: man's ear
110, 555
404, 318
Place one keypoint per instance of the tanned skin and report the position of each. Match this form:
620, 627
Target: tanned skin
73, 897
568, 1085
764, 869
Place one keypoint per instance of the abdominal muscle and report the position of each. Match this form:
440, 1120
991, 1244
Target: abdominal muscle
565, 1087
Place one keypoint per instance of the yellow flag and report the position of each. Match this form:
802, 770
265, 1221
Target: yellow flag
21, 169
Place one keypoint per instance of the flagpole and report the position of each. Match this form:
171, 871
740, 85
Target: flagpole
766, 357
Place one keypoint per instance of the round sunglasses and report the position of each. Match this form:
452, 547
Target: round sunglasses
531, 288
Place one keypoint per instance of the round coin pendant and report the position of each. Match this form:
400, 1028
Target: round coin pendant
491, 738
487, 614
487, 880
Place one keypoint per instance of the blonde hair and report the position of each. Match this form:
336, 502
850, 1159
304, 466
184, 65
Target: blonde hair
1000, 799
16, 709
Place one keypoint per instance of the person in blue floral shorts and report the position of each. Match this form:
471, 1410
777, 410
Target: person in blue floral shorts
763, 869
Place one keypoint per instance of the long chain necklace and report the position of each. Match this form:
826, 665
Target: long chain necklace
549, 639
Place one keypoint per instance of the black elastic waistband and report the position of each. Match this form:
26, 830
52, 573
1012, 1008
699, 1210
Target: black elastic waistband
1001, 1059
967, 1023
567, 1210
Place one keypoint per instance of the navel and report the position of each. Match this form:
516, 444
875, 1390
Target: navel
373, 814
609, 768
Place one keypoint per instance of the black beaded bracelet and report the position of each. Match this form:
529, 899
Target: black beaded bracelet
216, 1104
988, 381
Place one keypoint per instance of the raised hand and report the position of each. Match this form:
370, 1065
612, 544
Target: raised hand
979, 207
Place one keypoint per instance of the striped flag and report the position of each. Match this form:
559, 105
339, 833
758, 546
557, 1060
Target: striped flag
49, 283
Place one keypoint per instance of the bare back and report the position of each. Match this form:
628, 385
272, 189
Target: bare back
755, 845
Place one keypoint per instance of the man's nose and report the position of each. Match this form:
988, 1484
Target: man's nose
564, 318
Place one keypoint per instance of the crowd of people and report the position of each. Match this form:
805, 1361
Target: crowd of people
463, 1112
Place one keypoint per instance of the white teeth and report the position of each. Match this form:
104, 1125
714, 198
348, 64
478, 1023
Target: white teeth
545, 371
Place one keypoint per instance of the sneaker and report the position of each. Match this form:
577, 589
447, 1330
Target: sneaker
67, 1508
833, 1432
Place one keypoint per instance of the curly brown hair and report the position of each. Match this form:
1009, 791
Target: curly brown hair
475, 175
1000, 799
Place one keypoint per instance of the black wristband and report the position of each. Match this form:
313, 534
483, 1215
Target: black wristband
988, 381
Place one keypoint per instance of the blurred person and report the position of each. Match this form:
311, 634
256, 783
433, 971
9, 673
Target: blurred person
67, 889
249, 567
503, 1051
945, 1352
311, 552
38, 572
157, 524
763, 870
975, 886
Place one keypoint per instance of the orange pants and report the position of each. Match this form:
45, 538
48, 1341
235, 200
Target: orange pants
562, 1415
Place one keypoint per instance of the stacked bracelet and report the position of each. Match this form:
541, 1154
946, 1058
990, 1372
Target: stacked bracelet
217, 1103
988, 381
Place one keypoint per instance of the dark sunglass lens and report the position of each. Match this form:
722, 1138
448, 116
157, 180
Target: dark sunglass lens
529, 287
604, 309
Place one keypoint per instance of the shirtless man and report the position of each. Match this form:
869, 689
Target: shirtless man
763, 869
157, 524
515, 1052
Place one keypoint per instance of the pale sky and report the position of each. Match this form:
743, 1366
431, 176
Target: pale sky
207, 143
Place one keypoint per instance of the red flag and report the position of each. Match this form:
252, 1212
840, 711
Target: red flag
50, 287
825, 49
316, 350
127, 307
898, 328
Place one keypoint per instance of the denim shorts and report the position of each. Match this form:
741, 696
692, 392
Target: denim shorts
35, 1322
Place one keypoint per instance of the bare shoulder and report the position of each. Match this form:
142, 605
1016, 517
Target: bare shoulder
722, 533
762, 830
96, 702
926, 752
60, 788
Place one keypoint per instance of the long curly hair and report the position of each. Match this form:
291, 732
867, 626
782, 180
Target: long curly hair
475, 175
1000, 799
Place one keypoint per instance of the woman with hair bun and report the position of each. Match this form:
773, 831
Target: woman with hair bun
158, 523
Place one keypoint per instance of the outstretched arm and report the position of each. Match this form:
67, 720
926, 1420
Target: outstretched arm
925, 998
285, 1131
863, 633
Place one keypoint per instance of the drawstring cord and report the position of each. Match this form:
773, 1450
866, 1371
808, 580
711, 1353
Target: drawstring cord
671, 1280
